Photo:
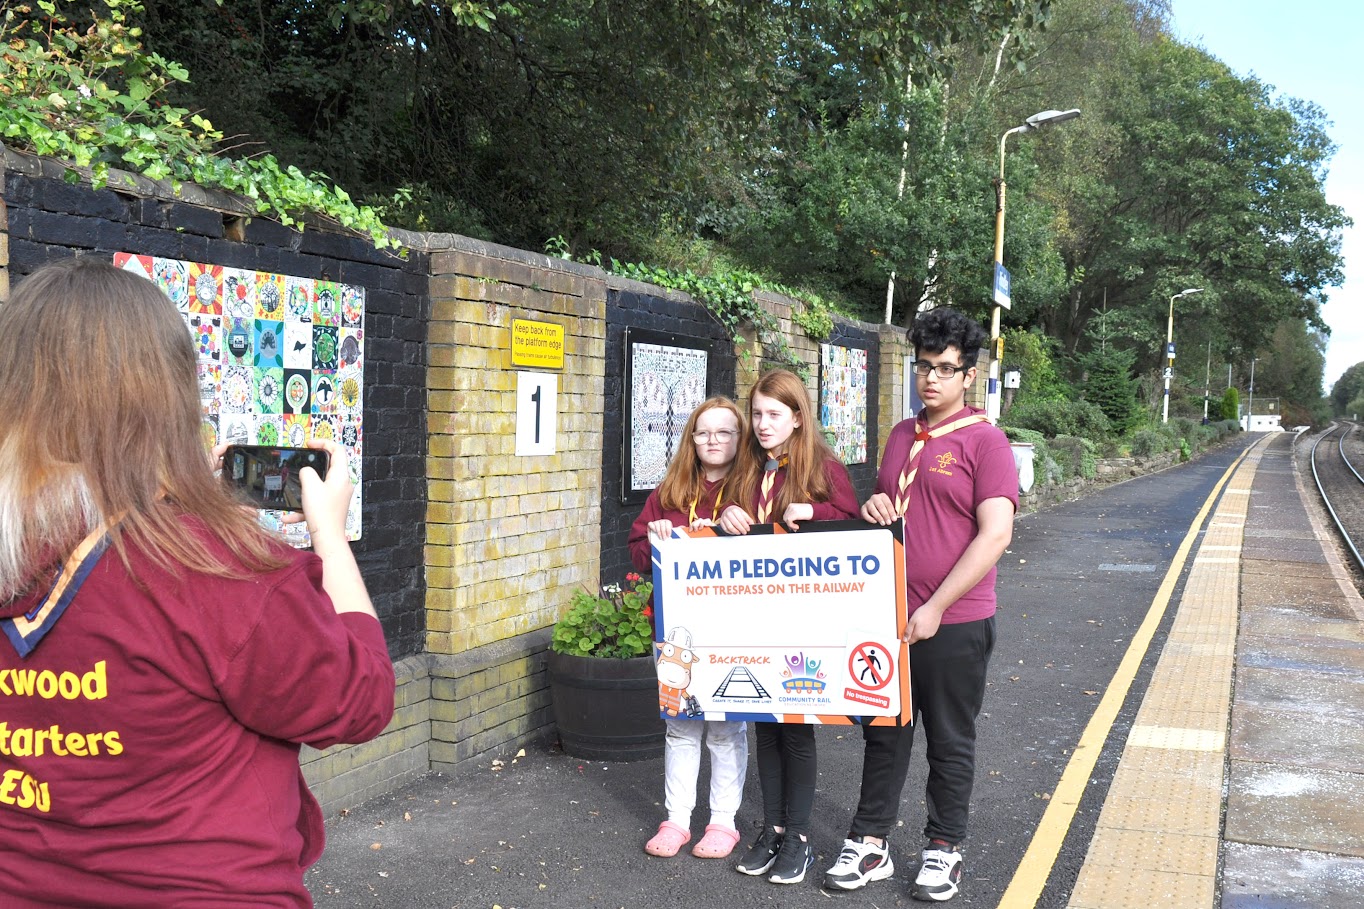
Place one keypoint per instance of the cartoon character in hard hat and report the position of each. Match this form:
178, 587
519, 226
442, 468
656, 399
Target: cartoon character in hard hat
675, 659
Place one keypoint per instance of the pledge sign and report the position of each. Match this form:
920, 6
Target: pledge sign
783, 627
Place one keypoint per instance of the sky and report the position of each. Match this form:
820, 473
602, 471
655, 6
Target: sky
1310, 49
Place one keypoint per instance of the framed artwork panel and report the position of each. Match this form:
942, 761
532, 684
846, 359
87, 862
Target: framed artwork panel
843, 400
664, 381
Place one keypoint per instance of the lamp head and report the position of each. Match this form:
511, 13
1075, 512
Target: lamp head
1046, 117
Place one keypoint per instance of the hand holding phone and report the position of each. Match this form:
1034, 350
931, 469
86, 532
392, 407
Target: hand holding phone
326, 499
268, 477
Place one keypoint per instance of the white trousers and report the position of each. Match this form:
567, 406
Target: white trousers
728, 744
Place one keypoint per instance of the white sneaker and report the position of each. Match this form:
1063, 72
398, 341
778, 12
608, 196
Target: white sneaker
939, 873
859, 864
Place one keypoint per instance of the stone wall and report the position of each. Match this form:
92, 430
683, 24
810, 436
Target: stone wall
1106, 472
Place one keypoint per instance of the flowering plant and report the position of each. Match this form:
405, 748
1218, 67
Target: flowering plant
614, 624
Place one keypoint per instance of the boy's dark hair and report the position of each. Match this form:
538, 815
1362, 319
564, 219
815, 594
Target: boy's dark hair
941, 328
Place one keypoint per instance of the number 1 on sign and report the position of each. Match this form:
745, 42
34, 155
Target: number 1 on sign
536, 398
537, 413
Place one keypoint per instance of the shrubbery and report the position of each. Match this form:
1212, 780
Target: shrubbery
1078, 456
1059, 418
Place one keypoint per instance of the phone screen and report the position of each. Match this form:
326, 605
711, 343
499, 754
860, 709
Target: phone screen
267, 477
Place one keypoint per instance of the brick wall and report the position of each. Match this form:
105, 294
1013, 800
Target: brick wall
50, 219
47, 219
509, 538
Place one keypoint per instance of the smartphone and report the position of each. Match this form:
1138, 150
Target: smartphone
267, 477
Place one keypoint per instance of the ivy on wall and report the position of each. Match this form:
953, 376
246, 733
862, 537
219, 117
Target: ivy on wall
728, 296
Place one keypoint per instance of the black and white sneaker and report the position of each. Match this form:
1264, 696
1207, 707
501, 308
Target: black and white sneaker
860, 863
793, 859
939, 875
760, 856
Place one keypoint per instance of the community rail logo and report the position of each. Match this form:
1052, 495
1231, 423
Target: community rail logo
802, 675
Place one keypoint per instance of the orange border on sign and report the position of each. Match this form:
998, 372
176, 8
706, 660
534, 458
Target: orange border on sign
906, 716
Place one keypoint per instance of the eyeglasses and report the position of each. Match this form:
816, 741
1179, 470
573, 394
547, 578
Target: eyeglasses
943, 370
723, 436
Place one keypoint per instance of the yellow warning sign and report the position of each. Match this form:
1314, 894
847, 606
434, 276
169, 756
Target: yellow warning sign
537, 344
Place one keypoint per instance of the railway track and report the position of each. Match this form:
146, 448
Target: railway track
1337, 464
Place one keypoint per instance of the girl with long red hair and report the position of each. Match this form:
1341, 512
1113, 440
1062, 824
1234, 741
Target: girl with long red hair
787, 473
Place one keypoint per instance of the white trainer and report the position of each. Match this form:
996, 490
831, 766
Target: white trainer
939, 875
860, 863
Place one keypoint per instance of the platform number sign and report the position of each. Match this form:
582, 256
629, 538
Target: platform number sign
537, 413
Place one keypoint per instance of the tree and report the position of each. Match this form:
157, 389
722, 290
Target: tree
1292, 367
1231, 404
1349, 386
1180, 174
1109, 384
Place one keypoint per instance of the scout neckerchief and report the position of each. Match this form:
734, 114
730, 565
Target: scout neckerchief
769, 479
25, 631
921, 436
714, 508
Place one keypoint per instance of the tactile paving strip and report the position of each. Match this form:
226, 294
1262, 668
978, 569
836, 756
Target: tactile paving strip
1156, 840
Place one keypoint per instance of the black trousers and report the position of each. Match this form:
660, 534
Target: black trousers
787, 773
947, 680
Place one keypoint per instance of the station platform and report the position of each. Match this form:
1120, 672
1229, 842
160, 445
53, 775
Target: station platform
1242, 780
1175, 718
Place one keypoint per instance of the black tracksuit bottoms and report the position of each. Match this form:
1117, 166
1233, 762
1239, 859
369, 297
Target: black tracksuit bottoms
947, 681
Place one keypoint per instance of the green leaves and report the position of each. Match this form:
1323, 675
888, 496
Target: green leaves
95, 98
613, 624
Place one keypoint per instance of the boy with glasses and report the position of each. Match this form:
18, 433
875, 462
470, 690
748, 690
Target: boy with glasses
951, 474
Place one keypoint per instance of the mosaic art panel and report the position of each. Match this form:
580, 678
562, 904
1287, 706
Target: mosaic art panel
666, 385
843, 400
281, 359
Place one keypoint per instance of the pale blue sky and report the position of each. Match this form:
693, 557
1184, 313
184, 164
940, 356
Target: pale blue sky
1310, 49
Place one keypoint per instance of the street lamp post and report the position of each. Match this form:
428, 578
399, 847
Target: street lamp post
1250, 401
1207, 385
1036, 121
1170, 352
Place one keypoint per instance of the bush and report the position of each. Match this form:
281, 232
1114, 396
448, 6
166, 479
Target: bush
1231, 405
1077, 456
1060, 418
1149, 442
1046, 469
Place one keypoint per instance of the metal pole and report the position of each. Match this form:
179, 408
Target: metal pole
1169, 360
1207, 384
992, 387
900, 193
1250, 402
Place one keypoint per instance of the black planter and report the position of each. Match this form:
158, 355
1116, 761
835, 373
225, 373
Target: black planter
606, 710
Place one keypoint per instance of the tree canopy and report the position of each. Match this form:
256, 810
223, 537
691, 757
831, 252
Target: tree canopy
825, 144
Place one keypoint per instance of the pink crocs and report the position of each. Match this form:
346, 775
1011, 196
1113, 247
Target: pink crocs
670, 838
718, 842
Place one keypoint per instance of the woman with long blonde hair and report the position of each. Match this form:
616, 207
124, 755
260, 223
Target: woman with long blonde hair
694, 492
168, 657
788, 473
